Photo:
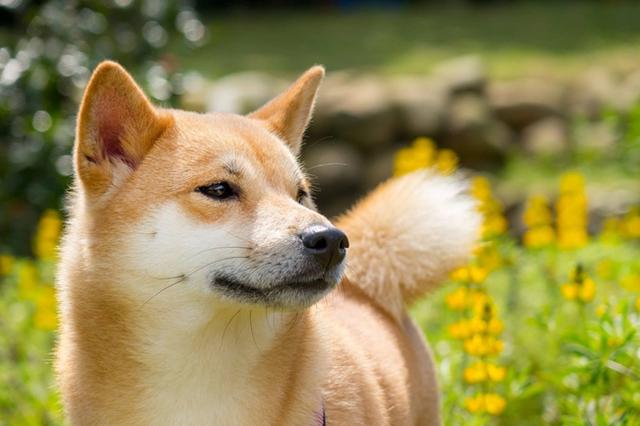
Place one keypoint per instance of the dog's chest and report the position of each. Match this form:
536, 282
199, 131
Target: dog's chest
202, 392
218, 378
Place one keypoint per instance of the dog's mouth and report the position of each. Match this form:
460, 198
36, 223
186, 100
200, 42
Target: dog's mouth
294, 293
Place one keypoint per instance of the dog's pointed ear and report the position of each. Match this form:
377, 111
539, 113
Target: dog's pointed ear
288, 114
117, 125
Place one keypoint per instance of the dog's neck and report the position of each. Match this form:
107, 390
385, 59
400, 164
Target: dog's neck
225, 363
225, 366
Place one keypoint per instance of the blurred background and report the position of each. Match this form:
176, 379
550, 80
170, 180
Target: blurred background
521, 92
520, 89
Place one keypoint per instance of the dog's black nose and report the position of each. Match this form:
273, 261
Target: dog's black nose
328, 245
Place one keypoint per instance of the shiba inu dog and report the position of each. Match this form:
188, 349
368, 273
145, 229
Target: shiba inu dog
198, 285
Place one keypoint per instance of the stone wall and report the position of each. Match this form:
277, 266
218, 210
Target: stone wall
361, 120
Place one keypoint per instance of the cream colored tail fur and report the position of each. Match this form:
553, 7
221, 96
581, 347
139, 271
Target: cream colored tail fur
407, 235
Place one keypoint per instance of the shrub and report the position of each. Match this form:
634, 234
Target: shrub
42, 74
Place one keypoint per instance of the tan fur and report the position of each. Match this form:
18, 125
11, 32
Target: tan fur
144, 340
407, 234
288, 114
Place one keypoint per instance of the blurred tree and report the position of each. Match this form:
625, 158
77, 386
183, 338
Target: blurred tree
42, 73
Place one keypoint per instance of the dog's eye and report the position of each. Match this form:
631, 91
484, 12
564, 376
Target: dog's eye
218, 191
302, 194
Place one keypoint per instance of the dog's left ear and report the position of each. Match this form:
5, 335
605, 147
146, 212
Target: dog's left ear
288, 114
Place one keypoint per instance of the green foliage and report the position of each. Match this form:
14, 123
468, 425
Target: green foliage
27, 389
553, 37
568, 363
42, 74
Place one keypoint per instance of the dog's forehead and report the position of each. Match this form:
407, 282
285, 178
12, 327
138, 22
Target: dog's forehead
237, 143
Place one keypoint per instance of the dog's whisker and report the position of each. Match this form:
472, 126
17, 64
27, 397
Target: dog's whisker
180, 280
317, 166
202, 267
319, 140
224, 332
214, 262
238, 237
253, 336
267, 317
218, 248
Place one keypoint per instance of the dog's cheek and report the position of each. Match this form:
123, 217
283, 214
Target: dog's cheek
171, 245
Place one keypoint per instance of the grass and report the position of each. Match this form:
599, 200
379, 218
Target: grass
556, 38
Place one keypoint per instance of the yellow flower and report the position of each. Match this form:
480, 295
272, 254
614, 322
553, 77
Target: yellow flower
475, 345
6, 264
497, 347
459, 330
611, 228
485, 309
571, 205
496, 373
490, 207
632, 223
462, 298
475, 373
419, 155
569, 291
460, 274
477, 298
494, 225
45, 317
424, 144
482, 371
474, 404
491, 403
537, 212
638, 303
47, 235
571, 209
446, 161
601, 310
481, 345
571, 182
481, 188
477, 274
571, 238
631, 282
477, 325
540, 236
494, 403
404, 162
458, 299
28, 279
495, 326
587, 290
581, 287
488, 257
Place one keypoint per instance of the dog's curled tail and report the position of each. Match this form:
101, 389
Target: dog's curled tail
407, 235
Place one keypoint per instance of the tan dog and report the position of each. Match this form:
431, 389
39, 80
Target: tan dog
196, 278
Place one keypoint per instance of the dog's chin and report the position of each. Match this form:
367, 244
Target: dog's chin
295, 294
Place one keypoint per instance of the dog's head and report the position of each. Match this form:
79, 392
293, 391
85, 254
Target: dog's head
207, 204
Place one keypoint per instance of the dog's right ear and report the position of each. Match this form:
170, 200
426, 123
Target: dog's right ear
288, 114
117, 125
